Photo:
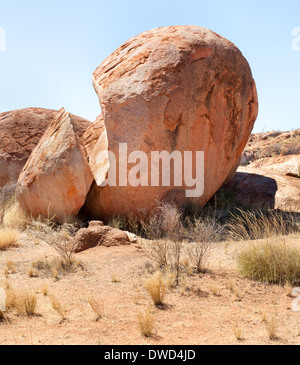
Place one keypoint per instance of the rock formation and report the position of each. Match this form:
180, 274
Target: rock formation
20, 132
56, 177
179, 88
99, 235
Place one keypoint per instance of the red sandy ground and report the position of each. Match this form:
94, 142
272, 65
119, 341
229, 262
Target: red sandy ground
195, 317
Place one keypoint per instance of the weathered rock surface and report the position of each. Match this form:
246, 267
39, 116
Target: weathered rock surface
56, 177
99, 235
263, 188
93, 133
283, 165
20, 132
179, 88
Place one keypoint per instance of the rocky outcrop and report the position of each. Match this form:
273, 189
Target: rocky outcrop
263, 188
99, 235
56, 177
20, 132
283, 165
180, 88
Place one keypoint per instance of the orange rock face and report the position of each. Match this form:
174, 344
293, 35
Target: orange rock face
56, 177
181, 88
20, 132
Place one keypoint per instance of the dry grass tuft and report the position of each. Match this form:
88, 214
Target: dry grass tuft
44, 289
255, 225
272, 261
57, 306
237, 333
8, 238
272, 327
97, 306
146, 322
14, 217
156, 288
24, 302
56, 266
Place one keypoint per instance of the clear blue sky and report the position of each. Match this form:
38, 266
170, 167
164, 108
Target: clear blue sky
53, 47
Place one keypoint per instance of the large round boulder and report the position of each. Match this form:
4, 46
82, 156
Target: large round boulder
179, 88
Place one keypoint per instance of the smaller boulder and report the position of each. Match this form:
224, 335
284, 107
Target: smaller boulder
56, 177
97, 234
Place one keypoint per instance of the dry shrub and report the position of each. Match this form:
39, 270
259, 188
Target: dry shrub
58, 237
272, 261
159, 252
165, 221
156, 288
254, 225
97, 306
203, 234
8, 238
146, 322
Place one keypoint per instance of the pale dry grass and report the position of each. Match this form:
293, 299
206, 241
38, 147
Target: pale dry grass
22, 301
8, 238
255, 225
272, 327
272, 261
97, 306
56, 266
57, 306
14, 217
146, 322
156, 287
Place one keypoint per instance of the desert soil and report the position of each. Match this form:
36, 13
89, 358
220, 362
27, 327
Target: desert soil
206, 309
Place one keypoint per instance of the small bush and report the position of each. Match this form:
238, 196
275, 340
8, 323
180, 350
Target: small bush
59, 237
203, 234
274, 262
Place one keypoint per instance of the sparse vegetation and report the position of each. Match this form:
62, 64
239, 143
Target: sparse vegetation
57, 306
156, 287
56, 266
237, 333
255, 225
97, 306
272, 261
146, 322
57, 236
8, 238
272, 327
24, 302
14, 217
